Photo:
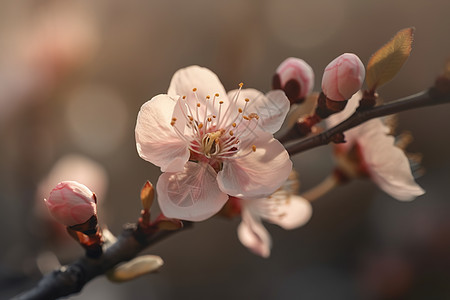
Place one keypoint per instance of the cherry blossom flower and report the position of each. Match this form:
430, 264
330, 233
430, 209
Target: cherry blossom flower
71, 203
282, 208
210, 144
370, 151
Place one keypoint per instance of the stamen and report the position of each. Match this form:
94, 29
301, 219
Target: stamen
233, 102
254, 148
246, 99
234, 124
194, 89
240, 110
220, 110
200, 126
247, 118
253, 116
210, 143
231, 132
184, 97
208, 97
198, 104
209, 119
217, 95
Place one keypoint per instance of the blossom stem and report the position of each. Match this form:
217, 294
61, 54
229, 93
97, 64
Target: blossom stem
433, 96
322, 188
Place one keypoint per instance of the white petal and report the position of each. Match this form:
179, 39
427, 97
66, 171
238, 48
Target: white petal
156, 140
253, 235
293, 213
271, 108
190, 195
258, 174
207, 84
333, 120
386, 163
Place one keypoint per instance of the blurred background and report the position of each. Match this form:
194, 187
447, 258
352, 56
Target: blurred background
73, 75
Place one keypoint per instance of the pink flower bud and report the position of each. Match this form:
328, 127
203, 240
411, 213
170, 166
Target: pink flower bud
71, 203
295, 77
343, 77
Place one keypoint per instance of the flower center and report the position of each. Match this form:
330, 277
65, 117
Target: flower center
214, 128
211, 143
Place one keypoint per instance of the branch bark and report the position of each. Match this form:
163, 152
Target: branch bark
429, 97
71, 279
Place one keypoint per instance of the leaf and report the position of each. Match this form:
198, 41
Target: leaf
388, 60
136, 267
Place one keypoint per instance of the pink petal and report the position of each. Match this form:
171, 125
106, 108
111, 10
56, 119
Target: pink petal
293, 213
207, 84
258, 174
253, 235
190, 195
387, 164
271, 108
156, 140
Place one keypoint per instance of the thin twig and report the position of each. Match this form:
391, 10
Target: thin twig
321, 189
424, 98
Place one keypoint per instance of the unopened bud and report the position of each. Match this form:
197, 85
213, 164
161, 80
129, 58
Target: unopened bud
295, 77
343, 77
71, 203
147, 195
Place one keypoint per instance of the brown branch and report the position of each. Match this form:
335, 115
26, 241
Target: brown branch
433, 96
71, 279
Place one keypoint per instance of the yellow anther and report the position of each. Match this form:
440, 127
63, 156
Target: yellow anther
174, 119
241, 84
254, 148
207, 97
200, 126
217, 95
240, 110
209, 119
184, 97
234, 124
194, 89
172, 123
231, 132
221, 102
191, 118
214, 116
245, 117
253, 116
246, 99
198, 104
